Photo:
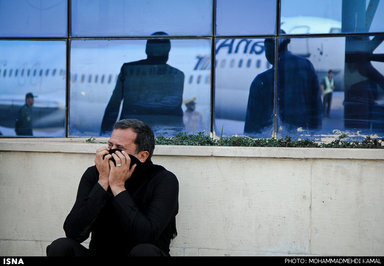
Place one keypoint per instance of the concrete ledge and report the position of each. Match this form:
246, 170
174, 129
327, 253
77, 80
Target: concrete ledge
233, 200
79, 145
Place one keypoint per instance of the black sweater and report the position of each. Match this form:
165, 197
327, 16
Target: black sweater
144, 213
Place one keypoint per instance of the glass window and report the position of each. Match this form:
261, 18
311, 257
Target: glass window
245, 17
32, 105
157, 82
331, 16
25, 18
141, 18
325, 87
234, 86
329, 86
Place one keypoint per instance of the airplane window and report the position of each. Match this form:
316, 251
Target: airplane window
249, 62
190, 79
74, 77
89, 78
28, 72
222, 64
82, 78
5, 72
47, 72
41, 72
207, 79
125, 18
240, 63
54, 72
110, 79
245, 17
335, 30
102, 79
258, 63
16, 72
96, 78
43, 18
198, 79
232, 64
22, 72
10, 72
34, 72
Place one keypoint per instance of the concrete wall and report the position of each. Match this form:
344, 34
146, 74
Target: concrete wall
233, 201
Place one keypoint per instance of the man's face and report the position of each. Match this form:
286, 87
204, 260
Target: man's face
123, 139
29, 101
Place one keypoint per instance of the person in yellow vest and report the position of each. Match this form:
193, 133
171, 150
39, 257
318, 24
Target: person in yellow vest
327, 87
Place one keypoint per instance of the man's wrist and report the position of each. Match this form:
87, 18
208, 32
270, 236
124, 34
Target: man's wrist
104, 184
116, 189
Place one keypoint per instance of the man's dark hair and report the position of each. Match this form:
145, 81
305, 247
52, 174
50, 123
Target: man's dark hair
145, 139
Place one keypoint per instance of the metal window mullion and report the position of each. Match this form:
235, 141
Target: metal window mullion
213, 67
275, 77
68, 67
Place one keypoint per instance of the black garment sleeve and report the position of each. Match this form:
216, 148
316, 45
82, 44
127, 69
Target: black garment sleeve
90, 199
259, 112
112, 110
146, 225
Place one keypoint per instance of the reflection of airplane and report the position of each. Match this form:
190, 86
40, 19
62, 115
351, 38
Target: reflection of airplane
38, 70
245, 59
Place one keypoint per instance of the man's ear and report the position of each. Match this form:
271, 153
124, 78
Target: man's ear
143, 156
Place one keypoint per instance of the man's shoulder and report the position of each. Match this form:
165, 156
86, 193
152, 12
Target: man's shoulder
91, 172
162, 174
264, 77
298, 59
134, 63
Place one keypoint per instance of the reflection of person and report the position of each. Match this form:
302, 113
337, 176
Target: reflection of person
151, 89
327, 87
193, 120
128, 210
23, 125
363, 80
299, 101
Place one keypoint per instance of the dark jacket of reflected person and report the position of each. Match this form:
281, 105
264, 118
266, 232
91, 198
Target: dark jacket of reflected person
299, 99
151, 90
23, 125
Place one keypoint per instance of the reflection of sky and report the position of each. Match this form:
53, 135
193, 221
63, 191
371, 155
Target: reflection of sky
316, 8
331, 9
137, 17
245, 17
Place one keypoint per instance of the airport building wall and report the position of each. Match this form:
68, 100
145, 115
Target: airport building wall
233, 200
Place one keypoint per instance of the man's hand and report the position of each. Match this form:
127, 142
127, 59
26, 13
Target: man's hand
121, 172
102, 166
